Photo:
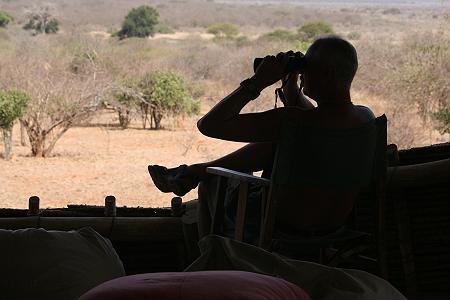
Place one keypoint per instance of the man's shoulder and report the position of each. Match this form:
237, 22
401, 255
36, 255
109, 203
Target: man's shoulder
295, 113
365, 112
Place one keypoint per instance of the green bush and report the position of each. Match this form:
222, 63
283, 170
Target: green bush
52, 26
12, 106
223, 30
313, 29
241, 41
302, 46
5, 18
140, 22
443, 120
280, 35
193, 107
169, 95
164, 29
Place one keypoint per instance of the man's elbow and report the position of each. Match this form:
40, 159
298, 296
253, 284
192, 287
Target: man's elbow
209, 128
204, 126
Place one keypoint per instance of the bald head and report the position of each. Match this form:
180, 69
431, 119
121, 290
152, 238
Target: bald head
332, 61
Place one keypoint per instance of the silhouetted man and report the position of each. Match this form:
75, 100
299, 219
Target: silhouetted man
331, 64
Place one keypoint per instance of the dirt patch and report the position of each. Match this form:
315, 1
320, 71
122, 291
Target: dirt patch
90, 163
181, 35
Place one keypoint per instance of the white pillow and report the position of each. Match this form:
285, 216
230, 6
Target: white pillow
40, 264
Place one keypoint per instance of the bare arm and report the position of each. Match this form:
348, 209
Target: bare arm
293, 94
224, 120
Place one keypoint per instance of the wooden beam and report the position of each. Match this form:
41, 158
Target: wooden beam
430, 173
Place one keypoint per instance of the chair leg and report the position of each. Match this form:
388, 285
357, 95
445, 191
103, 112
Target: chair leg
218, 207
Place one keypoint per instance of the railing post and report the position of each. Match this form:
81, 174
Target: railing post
176, 206
110, 206
33, 206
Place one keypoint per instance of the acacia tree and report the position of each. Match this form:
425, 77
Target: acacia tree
12, 106
60, 98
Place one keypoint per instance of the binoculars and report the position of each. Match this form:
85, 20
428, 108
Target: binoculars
296, 63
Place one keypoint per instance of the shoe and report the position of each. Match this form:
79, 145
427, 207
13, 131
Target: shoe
173, 180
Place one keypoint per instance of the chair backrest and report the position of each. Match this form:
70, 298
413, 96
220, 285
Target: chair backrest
325, 158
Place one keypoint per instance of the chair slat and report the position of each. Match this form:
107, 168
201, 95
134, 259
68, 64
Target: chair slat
241, 209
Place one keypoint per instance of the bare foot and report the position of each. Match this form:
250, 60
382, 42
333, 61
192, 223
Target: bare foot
175, 180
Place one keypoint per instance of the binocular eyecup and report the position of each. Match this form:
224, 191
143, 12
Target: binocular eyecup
296, 63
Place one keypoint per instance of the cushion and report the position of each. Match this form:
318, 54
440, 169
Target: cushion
319, 281
218, 285
40, 264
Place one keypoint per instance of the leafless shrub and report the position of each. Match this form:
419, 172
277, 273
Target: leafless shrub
41, 22
413, 77
59, 97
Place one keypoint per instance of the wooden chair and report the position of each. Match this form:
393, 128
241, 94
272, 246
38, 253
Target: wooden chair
269, 235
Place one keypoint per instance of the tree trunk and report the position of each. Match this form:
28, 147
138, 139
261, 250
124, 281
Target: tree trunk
151, 121
37, 145
23, 133
38, 148
144, 114
7, 140
157, 117
36, 138
124, 118
44, 24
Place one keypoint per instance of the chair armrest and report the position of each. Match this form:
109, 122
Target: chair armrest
242, 177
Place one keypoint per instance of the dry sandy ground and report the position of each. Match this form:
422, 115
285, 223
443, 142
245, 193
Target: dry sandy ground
90, 163
179, 35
